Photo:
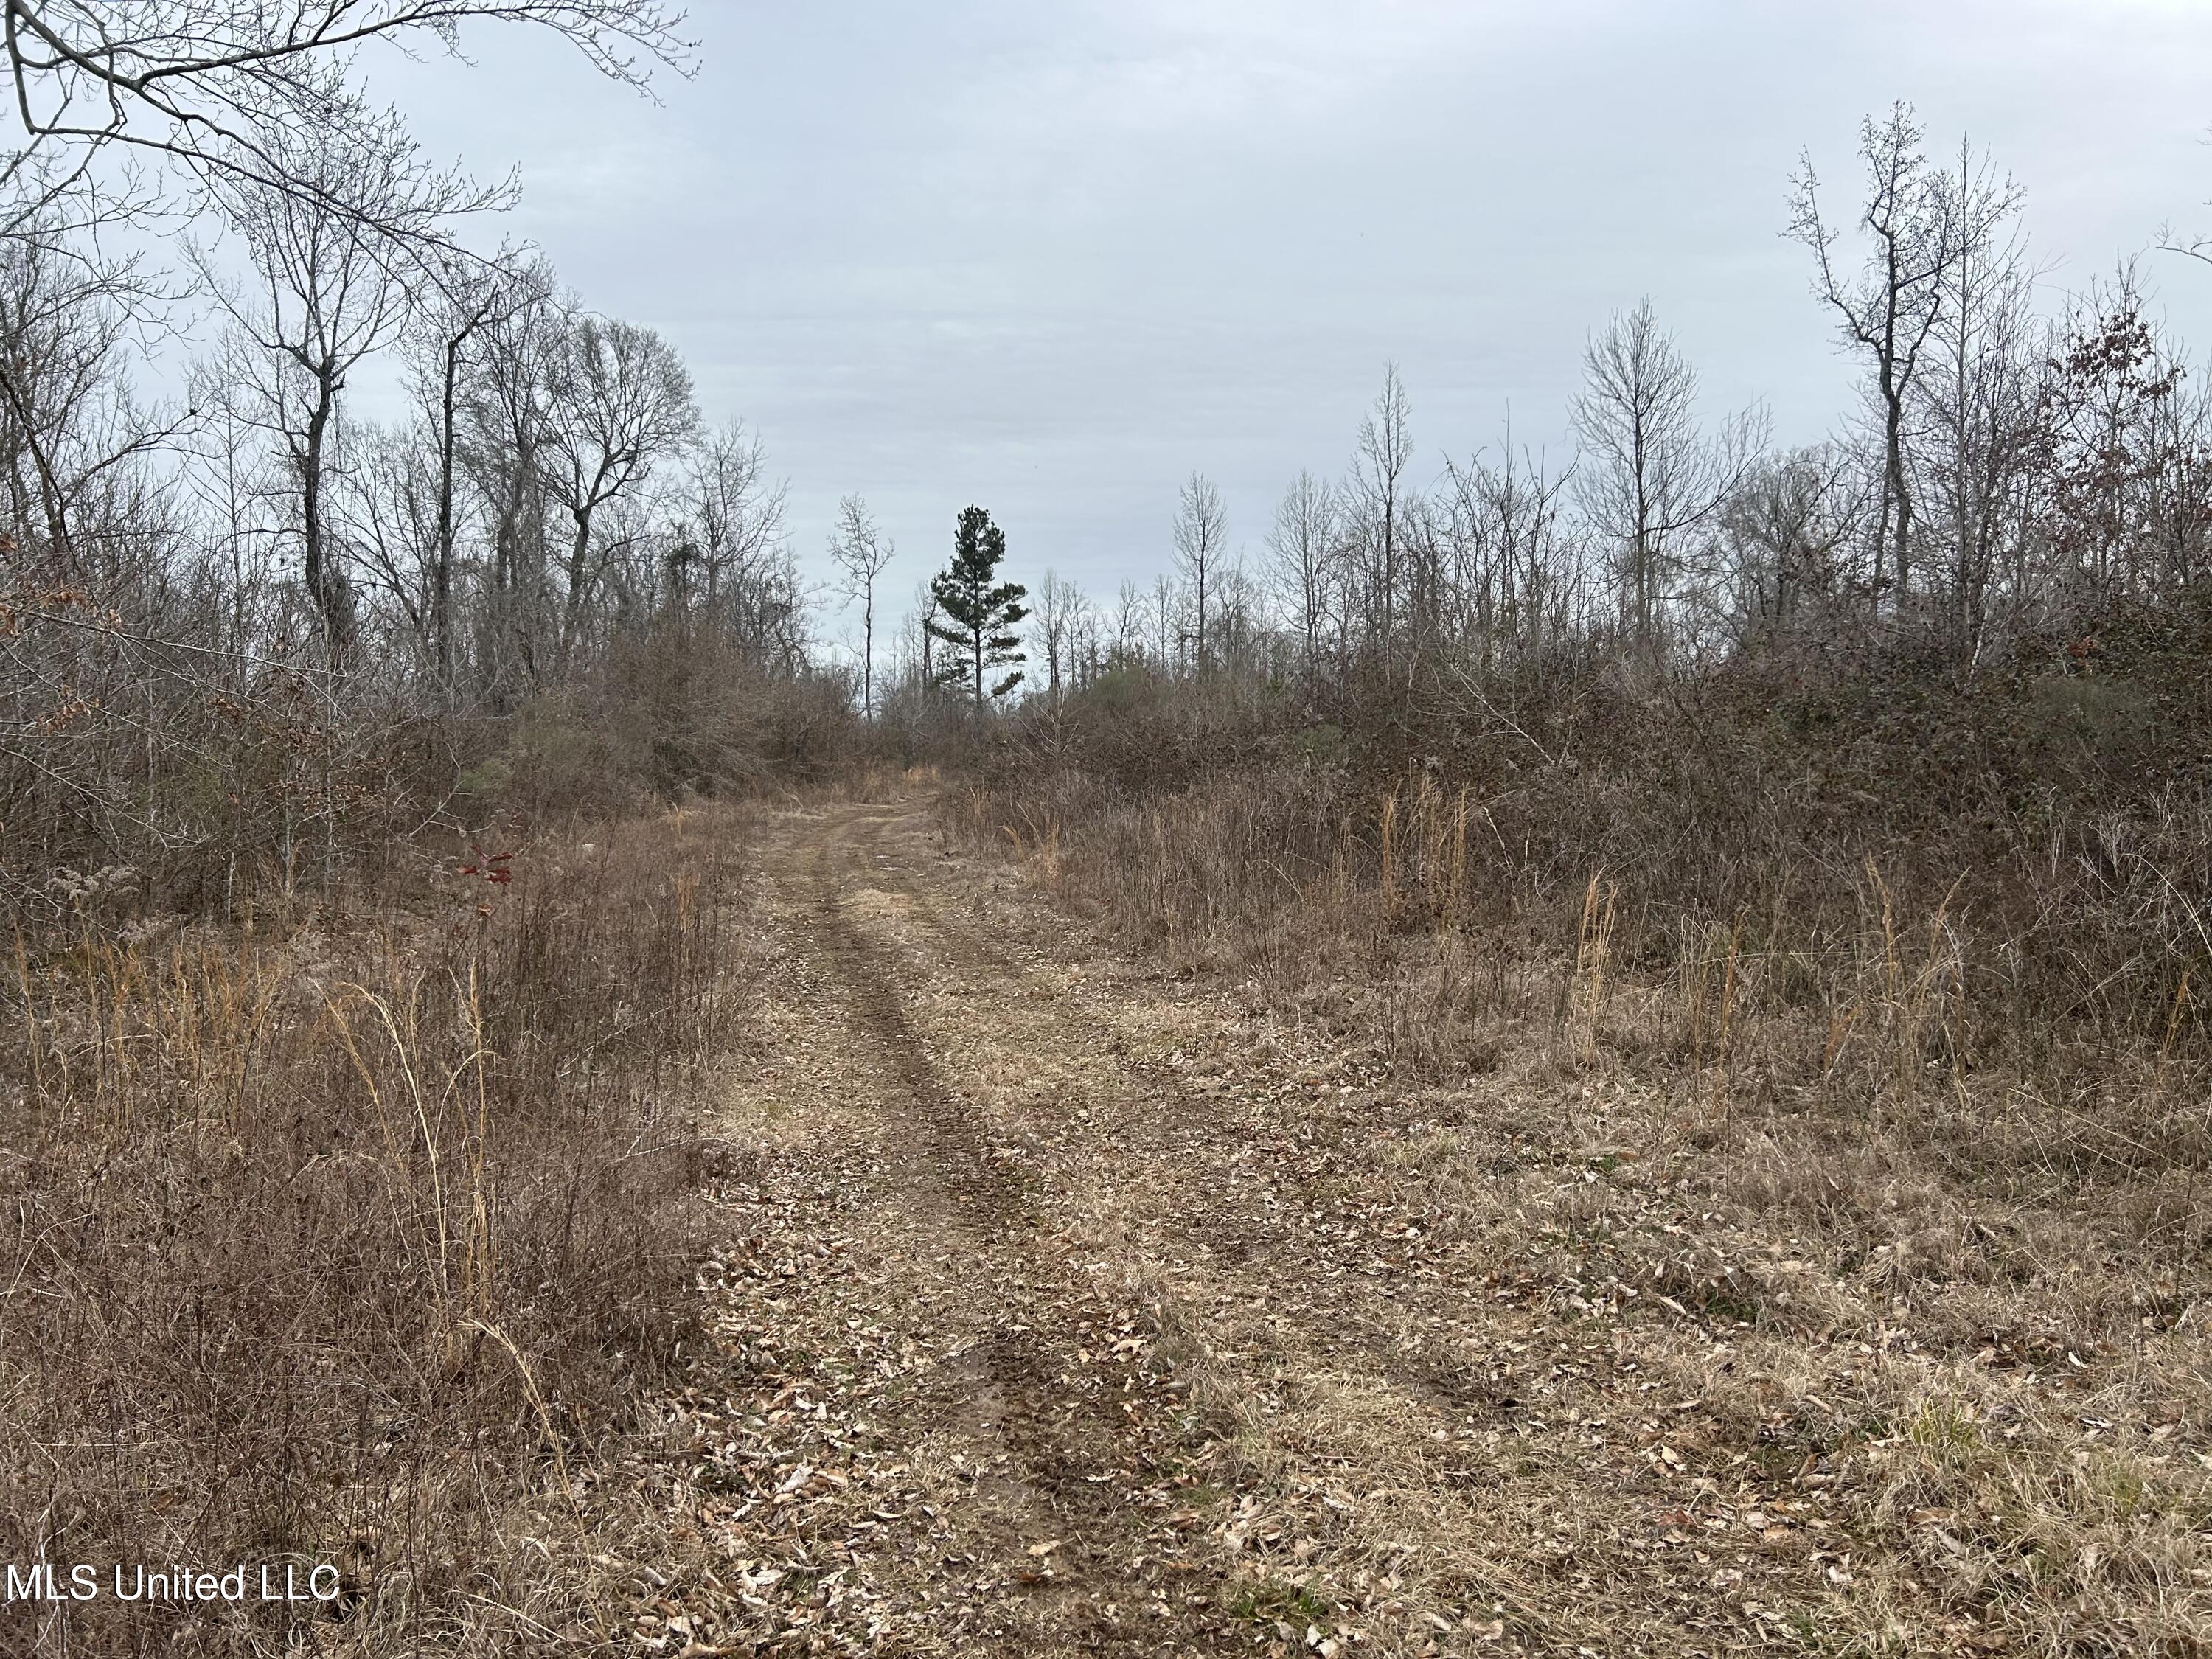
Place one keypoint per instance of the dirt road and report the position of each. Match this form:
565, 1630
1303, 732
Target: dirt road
1069, 1310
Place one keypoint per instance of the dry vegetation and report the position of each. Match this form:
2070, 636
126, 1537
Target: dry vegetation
350, 1232
1629, 1076
1844, 1168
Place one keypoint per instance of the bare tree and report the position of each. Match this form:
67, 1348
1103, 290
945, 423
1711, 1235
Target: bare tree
1239, 616
733, 518
928, 618
861, 552
1062, 613
1303, 545
1919, 226
385, 505
1128, 624
1648, 478
1086, 648
219, 91
1784, 545
1523, 570
326, 293
1200, 528
1977, 416
466, 302
1167, 622
622, 406
67, 418
504, 441
1384, 451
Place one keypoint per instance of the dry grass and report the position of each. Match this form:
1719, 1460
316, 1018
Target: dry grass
1852, 1317
351, 1238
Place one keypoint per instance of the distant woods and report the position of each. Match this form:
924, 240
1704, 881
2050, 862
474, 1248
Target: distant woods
1939, 677
251, 635
2006, 473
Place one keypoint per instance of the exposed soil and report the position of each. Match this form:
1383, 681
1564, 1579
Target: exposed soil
1069, 1308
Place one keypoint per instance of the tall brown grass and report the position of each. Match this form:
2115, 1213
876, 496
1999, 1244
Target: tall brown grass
344, 1237
1864, 971
1891, 1134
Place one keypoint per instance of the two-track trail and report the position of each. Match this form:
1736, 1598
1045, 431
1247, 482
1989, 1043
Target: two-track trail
1069, 1309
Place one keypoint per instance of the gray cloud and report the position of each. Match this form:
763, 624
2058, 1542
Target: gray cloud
1050, 258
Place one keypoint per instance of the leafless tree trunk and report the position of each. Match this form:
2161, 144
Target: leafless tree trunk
928, 613
861, 553
1785, 544
1508, 516
505, 438
67, 419
327, 293
622, 406
1648, 478
1200, 528
470, 301
1920, 226
1303, 545
1384, 451
1977, 425
1062, 613
1128, 624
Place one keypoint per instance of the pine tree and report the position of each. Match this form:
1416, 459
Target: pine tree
978, 613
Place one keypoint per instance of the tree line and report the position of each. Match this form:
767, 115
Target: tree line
252, 634
2006, 474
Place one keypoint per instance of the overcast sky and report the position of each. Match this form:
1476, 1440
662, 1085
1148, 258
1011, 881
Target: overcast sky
1050, 255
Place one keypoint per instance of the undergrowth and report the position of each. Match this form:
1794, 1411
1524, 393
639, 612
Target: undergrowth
349, 1239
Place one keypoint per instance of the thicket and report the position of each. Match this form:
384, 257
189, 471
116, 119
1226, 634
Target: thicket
355, 974
355, 979
343, 1238
1857, 728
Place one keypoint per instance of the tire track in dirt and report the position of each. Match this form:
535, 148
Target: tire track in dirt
1022, 1386
1226, 1234
951, 1168
1214, 1444
1071, 1307
1391, 1415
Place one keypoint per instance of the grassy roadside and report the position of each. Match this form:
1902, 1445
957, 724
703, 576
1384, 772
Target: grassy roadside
1777, 1306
